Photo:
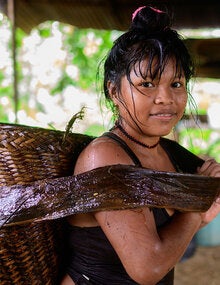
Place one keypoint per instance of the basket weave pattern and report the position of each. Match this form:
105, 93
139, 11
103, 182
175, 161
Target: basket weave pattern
32, 253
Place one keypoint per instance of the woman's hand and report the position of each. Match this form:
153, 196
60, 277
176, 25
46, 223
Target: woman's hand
210, 168
212, 213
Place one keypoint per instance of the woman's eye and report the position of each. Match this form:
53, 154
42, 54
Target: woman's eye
176, 84
147, 84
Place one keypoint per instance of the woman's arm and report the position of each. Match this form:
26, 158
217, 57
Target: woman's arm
210, 168
146, 253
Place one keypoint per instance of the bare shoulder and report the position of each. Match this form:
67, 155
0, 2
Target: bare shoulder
100, 152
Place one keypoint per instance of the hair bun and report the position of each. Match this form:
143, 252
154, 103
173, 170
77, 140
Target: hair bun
150, 20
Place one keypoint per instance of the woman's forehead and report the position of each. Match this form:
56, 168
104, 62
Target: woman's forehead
155, 68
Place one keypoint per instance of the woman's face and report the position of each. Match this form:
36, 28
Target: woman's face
156, 105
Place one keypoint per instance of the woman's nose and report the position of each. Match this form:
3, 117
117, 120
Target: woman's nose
164, 96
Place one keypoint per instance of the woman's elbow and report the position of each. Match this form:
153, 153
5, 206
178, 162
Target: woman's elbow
150, 271
144, 276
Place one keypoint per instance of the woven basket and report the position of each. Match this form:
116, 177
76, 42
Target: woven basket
34, 253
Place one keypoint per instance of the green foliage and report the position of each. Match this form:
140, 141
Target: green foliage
94, 130
202, 142
20, 35
4, 117
88, 47
44, 32
84, 48
64, 81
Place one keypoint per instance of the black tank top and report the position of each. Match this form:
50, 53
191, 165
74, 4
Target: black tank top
92, 258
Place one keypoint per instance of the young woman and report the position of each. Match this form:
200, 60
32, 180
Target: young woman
146, 76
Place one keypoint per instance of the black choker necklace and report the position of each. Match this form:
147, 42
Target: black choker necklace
134, 140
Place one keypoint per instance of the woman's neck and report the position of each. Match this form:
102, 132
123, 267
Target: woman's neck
133, 139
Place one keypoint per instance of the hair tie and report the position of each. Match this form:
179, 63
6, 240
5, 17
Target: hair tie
142, 7
136, 11
156, 10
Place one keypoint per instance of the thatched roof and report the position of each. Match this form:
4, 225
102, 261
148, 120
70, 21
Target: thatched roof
110, 14
116, 14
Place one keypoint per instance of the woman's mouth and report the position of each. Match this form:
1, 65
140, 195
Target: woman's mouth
164, 116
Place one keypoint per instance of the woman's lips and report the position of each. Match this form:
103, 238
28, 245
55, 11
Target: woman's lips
164, 116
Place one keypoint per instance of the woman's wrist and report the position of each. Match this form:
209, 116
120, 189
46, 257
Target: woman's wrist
194, 218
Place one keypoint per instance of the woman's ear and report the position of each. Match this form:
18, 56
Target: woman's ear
112, 91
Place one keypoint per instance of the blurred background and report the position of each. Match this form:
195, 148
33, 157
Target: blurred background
50, 54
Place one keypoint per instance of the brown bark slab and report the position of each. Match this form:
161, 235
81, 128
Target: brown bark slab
111, 187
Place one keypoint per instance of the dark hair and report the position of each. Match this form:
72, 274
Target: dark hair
149, 36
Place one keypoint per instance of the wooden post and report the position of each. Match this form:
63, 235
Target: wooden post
12, 17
